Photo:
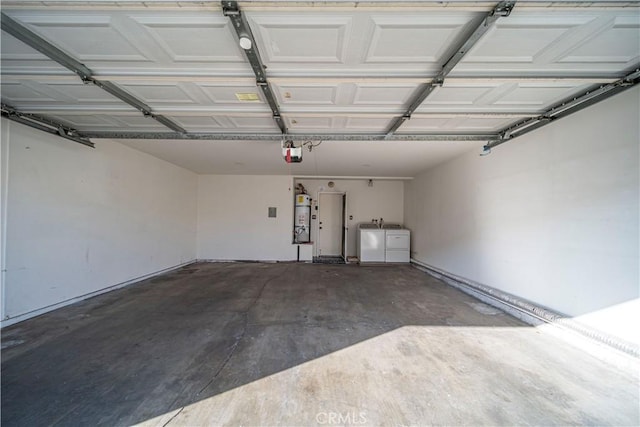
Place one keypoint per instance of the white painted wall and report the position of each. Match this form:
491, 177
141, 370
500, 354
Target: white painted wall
79, 220
233, 222
383, 200
4, 171
551, 217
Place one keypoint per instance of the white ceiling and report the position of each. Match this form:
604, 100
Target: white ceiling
331, 158
333, 69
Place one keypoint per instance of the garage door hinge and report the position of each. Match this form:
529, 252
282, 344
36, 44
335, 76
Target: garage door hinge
230, 8
503, 8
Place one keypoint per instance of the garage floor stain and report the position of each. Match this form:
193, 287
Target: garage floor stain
300, 344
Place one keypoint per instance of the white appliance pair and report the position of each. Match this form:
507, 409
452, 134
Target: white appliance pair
388, 244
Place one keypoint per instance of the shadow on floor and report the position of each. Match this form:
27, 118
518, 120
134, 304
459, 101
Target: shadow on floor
141, 352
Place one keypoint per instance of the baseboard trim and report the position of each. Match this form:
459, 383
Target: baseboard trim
527, 311
34, 313
247, 261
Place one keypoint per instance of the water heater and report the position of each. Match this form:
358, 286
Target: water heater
302, 222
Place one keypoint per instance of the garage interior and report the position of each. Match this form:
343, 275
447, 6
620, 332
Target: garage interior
157, 157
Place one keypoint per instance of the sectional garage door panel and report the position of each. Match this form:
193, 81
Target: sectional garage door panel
339, 69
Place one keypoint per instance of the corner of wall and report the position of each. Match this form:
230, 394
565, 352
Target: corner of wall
5, 129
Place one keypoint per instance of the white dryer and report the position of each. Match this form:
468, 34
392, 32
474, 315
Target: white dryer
397, 245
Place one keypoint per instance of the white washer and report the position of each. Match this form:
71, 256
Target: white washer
397, 245
370, 243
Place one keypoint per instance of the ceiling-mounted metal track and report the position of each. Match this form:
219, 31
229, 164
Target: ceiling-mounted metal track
293, 137
44, 124
503, 8
241, 26
567, 107
30, 38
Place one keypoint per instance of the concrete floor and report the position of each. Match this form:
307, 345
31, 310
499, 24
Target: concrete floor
300, 344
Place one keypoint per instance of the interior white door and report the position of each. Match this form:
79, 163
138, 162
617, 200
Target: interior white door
330, 224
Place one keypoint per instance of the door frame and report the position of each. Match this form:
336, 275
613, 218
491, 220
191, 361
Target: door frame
343, 243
